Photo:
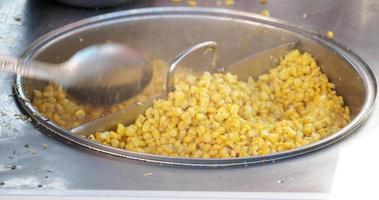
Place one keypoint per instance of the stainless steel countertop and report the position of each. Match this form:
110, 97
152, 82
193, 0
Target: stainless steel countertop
346, 170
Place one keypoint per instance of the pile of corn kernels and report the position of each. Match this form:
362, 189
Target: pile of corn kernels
54, 103
217, 116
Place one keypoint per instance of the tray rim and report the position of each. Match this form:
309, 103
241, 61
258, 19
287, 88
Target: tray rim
355, 61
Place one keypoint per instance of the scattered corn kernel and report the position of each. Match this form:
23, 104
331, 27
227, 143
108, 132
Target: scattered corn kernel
192, 3
229, 2
265, 13
330, 34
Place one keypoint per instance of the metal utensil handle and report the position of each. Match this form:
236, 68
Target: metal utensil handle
211, 47
131, 113
32, 69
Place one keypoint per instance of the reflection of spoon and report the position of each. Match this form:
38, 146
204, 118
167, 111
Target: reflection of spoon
253, 65
99, 74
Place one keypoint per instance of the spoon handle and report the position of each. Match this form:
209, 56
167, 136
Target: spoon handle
209, 46
31, 69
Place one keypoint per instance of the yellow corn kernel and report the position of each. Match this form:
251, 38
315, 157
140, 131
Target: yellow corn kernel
229, 2
121, 145
80, 114
330, 34
130, 130
265, 13
192, 3
91, 137
100, 136
107, 139
308, 129
273, 137
114, 143
37, 94
48, 94
120, 129
113, 135
207, 137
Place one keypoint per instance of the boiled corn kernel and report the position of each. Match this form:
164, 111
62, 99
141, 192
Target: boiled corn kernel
291, 106
53, 99
330, 34
192, 3
265, 13
229, 2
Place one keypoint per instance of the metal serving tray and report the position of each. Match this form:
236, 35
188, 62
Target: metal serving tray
163, 32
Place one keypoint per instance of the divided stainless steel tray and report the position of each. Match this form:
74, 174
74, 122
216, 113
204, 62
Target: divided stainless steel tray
163, 32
